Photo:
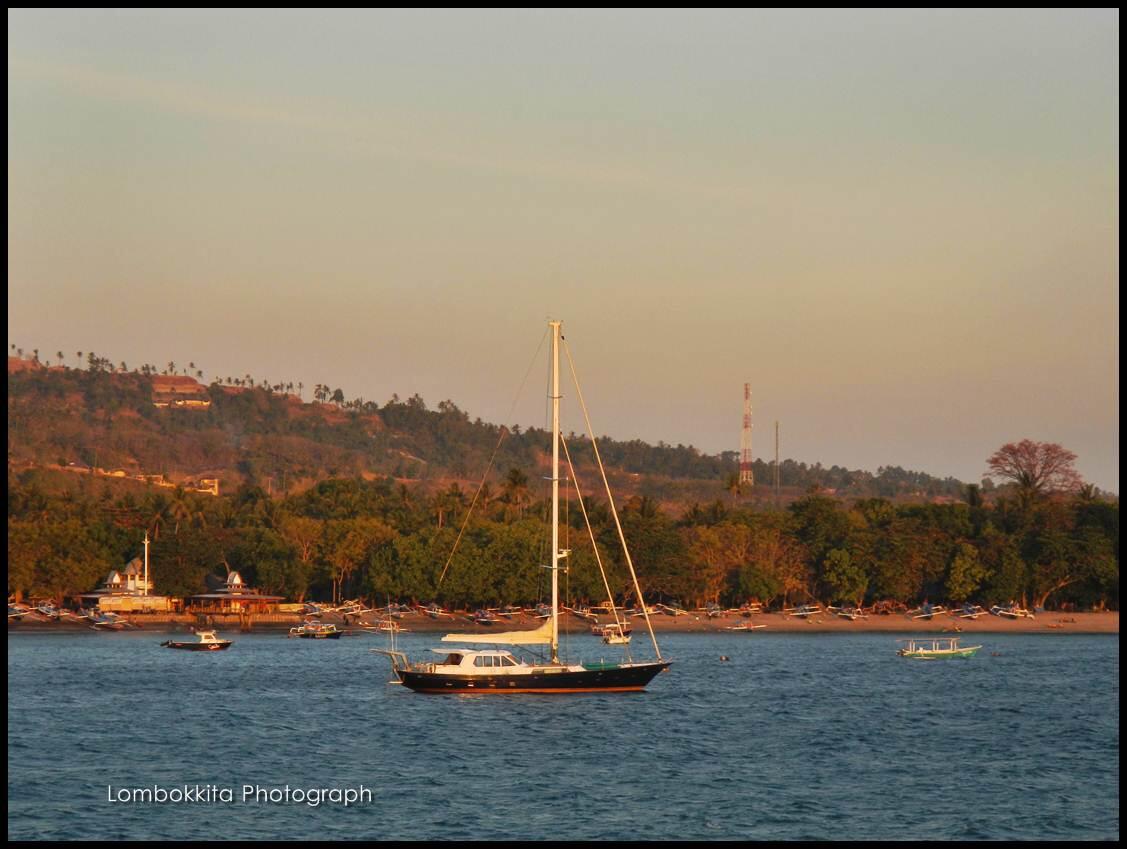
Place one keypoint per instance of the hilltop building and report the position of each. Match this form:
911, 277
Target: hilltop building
170, 390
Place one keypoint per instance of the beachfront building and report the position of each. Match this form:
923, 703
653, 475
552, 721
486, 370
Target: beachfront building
233, 597
129, 590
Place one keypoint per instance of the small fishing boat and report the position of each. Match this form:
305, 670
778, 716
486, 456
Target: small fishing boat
386, 625
611, 627
107, 621
581, 613
926, 611
206, 641
613, 633
484, 617
48, 611
803, 611
935, 648
1011, 611
967, 611
310, 630
850, 613
744, 626
434, 611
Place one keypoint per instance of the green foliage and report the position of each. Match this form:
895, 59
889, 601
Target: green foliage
966, 573
357, 530
847, 580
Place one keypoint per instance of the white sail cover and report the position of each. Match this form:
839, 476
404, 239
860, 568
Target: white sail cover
541, 636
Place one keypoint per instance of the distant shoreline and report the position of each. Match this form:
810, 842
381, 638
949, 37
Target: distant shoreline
1105, 622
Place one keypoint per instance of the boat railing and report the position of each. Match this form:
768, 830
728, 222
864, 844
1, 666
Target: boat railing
933, 643
399, 661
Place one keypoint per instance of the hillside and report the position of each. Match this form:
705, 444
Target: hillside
174, 429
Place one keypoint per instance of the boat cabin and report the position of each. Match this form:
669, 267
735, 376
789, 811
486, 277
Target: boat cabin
471, 662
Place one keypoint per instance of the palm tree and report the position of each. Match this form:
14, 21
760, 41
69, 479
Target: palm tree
516, 490
59, 354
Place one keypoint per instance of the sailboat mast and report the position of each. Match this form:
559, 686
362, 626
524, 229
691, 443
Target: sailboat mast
555, 325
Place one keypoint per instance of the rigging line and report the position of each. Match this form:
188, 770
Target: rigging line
613, 509
591, 533
496, 448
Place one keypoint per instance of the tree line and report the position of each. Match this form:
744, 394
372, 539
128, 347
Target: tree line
383, 540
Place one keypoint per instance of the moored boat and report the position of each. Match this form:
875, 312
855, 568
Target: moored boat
613, 633
935, 648
310, 630
498, 670
206, 641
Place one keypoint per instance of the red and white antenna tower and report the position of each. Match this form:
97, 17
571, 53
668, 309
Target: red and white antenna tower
746, 474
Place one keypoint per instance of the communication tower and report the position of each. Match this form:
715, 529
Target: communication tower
747, 475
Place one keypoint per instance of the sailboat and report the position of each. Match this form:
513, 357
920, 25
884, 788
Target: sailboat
499, 670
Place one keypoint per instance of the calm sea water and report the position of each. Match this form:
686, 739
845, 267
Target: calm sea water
796, 737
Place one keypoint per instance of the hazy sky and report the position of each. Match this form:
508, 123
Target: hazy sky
900, 227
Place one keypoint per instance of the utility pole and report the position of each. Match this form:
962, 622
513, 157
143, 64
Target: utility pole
776, 464
146, 562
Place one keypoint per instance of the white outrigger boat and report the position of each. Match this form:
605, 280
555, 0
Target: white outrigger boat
1011, 611
926, 611
935, 648
803, 611
850, 613
967, 611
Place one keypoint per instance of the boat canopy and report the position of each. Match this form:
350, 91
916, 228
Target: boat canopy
541, 636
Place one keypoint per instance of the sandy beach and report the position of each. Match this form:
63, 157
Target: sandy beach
1104, 622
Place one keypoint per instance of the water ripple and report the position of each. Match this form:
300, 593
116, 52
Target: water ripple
797, 737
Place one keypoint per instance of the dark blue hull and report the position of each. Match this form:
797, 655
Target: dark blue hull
597, 679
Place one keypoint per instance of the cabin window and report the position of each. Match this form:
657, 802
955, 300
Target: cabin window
453, 660
507, 661
482, 661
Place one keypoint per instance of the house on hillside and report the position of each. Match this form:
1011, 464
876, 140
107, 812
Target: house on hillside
179, 391
17, 364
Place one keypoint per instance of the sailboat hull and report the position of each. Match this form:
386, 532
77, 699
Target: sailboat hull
607, 678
